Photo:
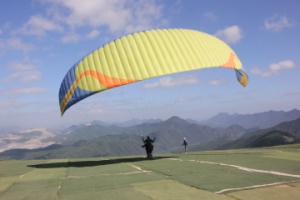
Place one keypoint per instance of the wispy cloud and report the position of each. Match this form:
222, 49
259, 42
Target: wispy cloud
24, 77
116, 16
277, 23
71, 37
231, 34
167, 82
215, 82
25, 72
20, 66
31, 90
274, 68
37, 25
185, 99
93, 34
9, 104
144, 14
92, 13
18, 44
211, 16
22, 91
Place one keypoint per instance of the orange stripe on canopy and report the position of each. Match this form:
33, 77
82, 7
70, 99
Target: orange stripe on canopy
230, 63
107, 81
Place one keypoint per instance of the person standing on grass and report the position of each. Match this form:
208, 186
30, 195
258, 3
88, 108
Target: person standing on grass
148, 144
185, 143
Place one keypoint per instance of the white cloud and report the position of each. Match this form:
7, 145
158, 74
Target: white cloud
21, 66
211, 16
274, 68
231, 34
287, 64
38, 25
184, 100
67, 17
259, 72
31, 76
117, 15
18, 44
24, 71
71, 37
95, 13
215, 82
20, 91
145, 14
93, 34
24, 77
32, 90
167, 82
8, 104
277, 23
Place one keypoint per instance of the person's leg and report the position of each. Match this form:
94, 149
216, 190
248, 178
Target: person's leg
148, 152
151, 149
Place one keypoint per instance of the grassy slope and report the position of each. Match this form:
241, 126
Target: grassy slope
195, 175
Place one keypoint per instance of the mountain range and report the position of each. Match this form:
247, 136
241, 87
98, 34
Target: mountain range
98, 139
283, 133
257, 120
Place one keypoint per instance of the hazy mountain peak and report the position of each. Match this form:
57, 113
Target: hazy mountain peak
176, 120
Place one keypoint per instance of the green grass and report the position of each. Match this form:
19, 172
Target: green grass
211, 177
195, 175
264, 159
45, 189
168, 189
273, 193
14, 168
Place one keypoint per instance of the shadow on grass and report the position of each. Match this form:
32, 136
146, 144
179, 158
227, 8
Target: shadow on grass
91, 163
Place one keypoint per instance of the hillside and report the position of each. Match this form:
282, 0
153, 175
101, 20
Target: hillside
283, 133
29, 139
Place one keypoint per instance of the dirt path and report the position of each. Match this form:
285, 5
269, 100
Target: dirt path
249, 169
250, 187
241, 168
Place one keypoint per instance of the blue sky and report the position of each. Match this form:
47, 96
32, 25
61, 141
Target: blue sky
41, 39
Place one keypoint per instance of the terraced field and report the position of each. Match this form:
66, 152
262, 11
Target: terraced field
265, 173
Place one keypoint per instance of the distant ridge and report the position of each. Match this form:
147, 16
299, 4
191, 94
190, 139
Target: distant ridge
283, 133
256, 120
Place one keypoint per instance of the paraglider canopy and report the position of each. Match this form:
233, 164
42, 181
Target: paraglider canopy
143, 55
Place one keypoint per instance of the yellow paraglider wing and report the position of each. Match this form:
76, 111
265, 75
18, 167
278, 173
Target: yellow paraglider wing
145, 55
